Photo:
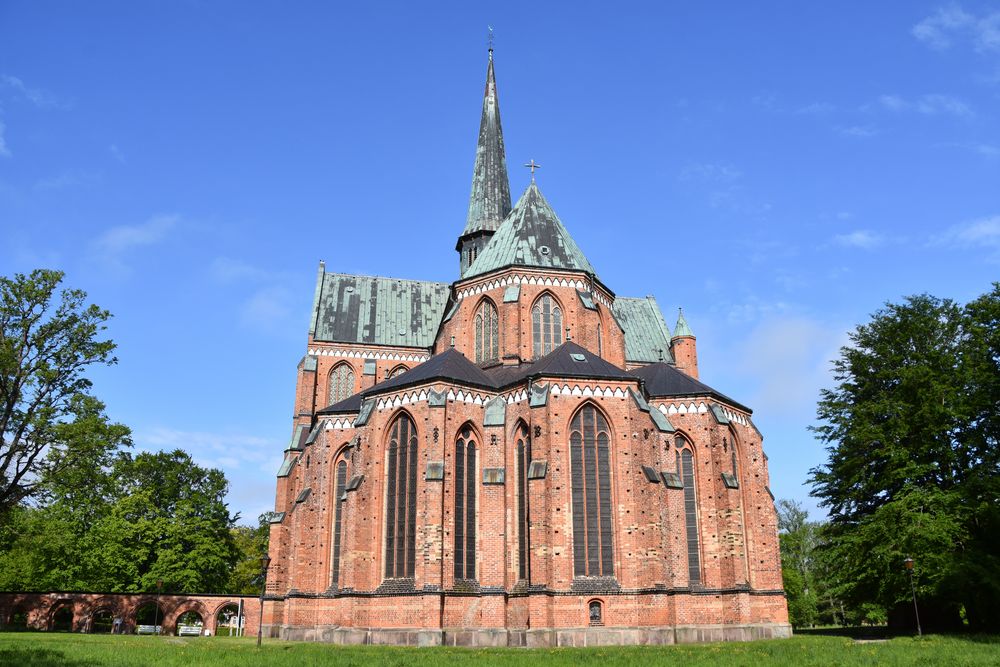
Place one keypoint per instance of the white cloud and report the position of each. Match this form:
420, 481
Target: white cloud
35, 96
116, 153
860, 131
228, 270
861, 238
816, 108
937, 30
948, 24
68, 178
930, 105
984, 232
4, 151
118, 240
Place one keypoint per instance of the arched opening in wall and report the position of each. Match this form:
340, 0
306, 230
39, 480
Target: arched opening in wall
341, 383
522, 440
595, 611
18, 619
465, 504
339, 498
62, 618
102, 622
189, 624
397, 371
148, 618
686, 469
546, 325
229, 622
590, 472
487, 326
401, 499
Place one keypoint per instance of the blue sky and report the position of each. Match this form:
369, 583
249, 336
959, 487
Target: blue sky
780, 170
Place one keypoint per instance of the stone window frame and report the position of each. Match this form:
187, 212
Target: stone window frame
592, 556
522, 454
400, 537
344, 383
687, 468
545, 339
337, 528
466, 514
486, 324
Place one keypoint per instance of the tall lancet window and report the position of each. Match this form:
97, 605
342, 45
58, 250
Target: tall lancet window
523, 462
590, 470
341, 383
465, 505
487, 332
401, 499
338, 515
686, 463
546, 325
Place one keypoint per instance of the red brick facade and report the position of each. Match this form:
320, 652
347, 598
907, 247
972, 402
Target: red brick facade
648, 519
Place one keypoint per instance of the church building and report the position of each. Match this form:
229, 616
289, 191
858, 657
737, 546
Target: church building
522, 457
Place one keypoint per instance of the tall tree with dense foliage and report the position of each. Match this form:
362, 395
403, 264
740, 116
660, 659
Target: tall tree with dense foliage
49, 422
799, 539
251, 541
910, 429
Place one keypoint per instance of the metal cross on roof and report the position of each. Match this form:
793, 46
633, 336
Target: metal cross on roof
533, 165
490, 39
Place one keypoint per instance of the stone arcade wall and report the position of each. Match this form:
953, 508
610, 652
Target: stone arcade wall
41, 609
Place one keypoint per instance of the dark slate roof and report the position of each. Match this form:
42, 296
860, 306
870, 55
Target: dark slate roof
532, 235
351, 404
571, 360
646, 332
489, 202
663, 380
377, 311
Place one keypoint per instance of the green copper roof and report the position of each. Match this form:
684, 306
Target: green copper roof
646, 333
378, 311
532, 235
489, 202
682, 328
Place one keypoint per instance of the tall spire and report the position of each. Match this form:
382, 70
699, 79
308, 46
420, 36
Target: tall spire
489, 202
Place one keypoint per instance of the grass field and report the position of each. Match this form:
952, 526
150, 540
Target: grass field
73, 650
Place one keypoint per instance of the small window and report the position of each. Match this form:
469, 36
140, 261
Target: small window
596, 613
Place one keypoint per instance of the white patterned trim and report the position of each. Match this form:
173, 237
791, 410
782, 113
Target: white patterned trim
339, 424
700, 407
587, 391
523, 280
355, 354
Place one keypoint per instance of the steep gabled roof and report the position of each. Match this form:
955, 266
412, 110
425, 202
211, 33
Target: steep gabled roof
682, 328
646, 333
532, 235
489, 202
377, 311
572, 361
664, 380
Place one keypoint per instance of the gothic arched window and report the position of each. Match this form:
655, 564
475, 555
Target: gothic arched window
523, 462
465, 505
398, 370
341, 383
401, 499
546, 325
590, 471
685, 465
487, 332
338, 513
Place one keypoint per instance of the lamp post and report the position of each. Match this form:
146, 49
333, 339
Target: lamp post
265, 560
156, 611
908, 564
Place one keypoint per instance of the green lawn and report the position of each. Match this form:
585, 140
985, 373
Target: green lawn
73, 650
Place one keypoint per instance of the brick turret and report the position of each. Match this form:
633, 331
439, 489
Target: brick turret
684, 347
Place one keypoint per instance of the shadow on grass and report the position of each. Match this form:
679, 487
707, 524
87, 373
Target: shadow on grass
41, 657
852, 632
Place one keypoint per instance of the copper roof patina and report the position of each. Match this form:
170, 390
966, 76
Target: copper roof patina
377, 311
646, 332
489, 202
532, 235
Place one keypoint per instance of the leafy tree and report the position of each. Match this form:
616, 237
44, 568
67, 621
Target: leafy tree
911, 434
798, 540
49, 423
251, 541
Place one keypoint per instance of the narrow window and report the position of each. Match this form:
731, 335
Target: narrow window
596, 617
600, 342
397, 371
591, 493
338, 513
341, 383
523, 536
401, 500
487, 333
465, 506
691, 516
546, 325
